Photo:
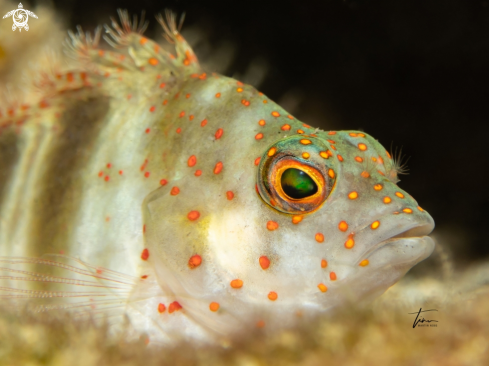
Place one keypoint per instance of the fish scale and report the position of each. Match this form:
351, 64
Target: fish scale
166, 187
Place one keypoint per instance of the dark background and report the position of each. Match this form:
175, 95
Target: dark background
410, 73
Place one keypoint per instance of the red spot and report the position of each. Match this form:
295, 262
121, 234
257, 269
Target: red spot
203, 123
145, 254
340, 158
218, 168
144, 277
219, 133
182, 113
229, 195
163, 182
218, 95
179, 130
174, 191
165, 102
152, 109
259, 136
256, 189
198, 173
187, 95
162, 85
144, 229
245, 102
285, 127
120, 172
194, 261
272, 225
161, 308
109, 165
192, 161
43, 104
174, 306
146, 174
144, 165
193, 215
148, 130
100, 173
107, 178
257, 160
264, 262
191, 117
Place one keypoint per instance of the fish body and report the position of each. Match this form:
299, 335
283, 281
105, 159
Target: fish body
199, 207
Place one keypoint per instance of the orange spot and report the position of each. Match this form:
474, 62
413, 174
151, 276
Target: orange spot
120, 172
275, 114
332, 133
203, 123
165, 102
239, 90
153, 61
305, 142
285, 127
179, 130
259, 136
353, 134
362, 147
353, 195
144, 277
388, 155
324, 263
399, 194
236, 283
331, 173
375, 225
265, 101
364, 263
198, 173
214, 306
374, 159
260, 324
272, 225
419, 208
290, 117
387, 199
378, 187
187, 95
272, 296
194, 261
152, 109
218, 168
101, 53
257, 160
361, 135
350, 243
264, 262
306, 155
262, 122
332, 276
324, 154
300, 131
191, 117
143, 40
162, 85
174, 306
407, 210
340, 158
193, 215
174, 191
182, 113
161, 308
322, 287
245, 102
219, 133
296, 219
163, 182
100, 173
218, 95
319, 237
365, 174
381, 161
272, 151
331, 141
69, 77
106, 178
343, 226
146, 174
358, 159
229, 195
192, 161
145, 254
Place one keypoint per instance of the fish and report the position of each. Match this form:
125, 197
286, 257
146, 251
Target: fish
140, 187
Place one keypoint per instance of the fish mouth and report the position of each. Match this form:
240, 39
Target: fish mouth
406, 245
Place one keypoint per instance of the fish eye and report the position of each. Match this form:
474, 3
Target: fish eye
293, 175
297, 184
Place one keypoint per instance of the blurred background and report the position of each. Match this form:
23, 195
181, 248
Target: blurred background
413, 74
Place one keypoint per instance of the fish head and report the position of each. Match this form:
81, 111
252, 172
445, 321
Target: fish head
279, 221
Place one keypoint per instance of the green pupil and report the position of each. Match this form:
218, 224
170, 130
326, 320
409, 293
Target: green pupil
298, 184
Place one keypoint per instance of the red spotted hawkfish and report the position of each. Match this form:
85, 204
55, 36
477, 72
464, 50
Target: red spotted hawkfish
138, 186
